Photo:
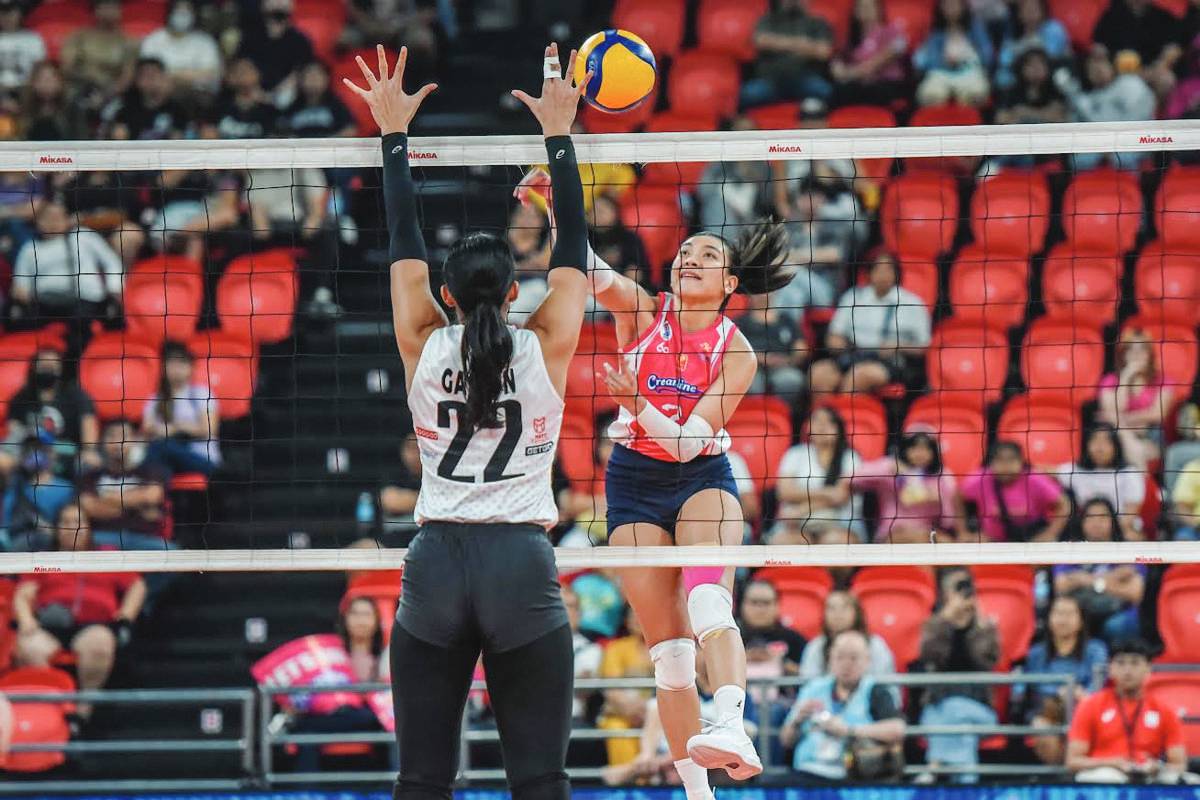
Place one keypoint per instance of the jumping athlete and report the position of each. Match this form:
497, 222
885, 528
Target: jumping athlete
487, 406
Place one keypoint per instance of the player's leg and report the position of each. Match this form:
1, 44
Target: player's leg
656, 596
708, 518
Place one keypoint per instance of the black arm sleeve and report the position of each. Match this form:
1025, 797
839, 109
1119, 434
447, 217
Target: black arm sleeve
400, 202
571, 245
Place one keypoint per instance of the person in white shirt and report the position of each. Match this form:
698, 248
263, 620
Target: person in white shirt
191, 56
20, 49
66, 266
878, 334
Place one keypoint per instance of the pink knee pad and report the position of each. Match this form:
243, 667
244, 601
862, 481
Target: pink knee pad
696, 576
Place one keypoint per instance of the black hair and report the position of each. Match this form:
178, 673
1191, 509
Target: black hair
1076, 530
940, 22
1080, 641
1003, 445
376, 637
913, 439
840, 446
945, 572
1085, 458
859, 624
758, 257
479, 272
165, 405
150, 61
1131, 647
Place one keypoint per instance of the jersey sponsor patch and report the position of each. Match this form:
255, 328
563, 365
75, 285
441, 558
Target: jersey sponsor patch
539, 429
538, 449
425, 433
656, 383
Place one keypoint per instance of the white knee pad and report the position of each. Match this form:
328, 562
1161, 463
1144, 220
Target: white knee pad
710, 610
674, 664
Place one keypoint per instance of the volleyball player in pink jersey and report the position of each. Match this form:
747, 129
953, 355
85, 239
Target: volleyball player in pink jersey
683, 368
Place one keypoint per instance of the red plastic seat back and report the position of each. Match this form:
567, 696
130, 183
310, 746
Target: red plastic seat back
120, 373
1180, 692
802, 592
1167, 282
727, 26
836, 13
704, 80
576, 449
1179, 613
256, 296
920, 216
920, 278
653, 212
1059, 356
162, 305
958, 425
866, 422
1083, 288
897, 601
1006, 596
968, 359
659, 23
1047, 428
914, 16
761, 429
1102, 211
1079, 17
989, 288
1175, 348
37, 723
1010, 214
228, 363
866, 117
1177, 210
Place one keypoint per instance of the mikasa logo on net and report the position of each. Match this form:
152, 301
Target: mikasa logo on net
785, 148
55, 160
1156, 140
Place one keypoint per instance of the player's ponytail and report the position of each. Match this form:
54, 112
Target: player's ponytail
758, 258
479, 271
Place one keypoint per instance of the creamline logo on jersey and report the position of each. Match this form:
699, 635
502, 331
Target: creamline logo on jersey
656, 383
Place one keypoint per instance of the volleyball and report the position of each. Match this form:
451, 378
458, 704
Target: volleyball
622, 67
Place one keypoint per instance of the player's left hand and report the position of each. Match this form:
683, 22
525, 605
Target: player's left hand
621, 385
392, 109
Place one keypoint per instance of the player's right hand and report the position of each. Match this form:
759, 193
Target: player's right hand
392, 109
556, 108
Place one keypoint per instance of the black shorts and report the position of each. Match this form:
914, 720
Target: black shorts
495, 584
639, 488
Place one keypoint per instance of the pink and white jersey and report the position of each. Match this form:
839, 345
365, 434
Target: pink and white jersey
674, 369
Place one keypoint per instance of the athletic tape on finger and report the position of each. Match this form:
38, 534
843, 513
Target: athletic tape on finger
551, 68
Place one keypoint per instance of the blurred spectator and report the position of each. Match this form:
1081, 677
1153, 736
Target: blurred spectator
1103, 474
528, 237
89, 613
1105, 97
98, 60
67, 270
836, 712
1032, 97
586, 506
289, 208
826, 225
362, 635
1033, 29
873, 69
779, 345
1010, 502
107, 202
601, 607
1136, 397
843, 613
734, 193
916, 495
794, 48
878, 335
957, 638
126, 499
46, 115
1184, 101
48, 405
190, 55
616, 245
398, 496
395, 22
277, 48
815, 502
181, 422
773, 650
1144, 39
241, 110
955, 60
20, 48
1123, 733
33, 498
625, 709
747, 493
1109, 594
1064, 649
1185, 502
317, 111
588, 654
146, 111
21, 195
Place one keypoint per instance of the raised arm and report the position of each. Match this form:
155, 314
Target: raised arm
558, 319
415, 314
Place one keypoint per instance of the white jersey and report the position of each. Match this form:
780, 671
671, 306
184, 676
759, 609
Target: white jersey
490, 475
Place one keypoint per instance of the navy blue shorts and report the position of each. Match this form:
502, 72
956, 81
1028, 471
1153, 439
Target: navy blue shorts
643, 489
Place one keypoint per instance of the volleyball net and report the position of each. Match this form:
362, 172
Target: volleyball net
1048, 285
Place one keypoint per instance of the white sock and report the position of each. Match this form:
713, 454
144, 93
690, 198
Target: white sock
695, 779
730, 702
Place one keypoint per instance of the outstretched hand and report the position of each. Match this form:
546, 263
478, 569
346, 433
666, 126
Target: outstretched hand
392, 109
556, 108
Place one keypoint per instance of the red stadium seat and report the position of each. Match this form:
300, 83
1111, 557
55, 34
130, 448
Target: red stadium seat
1060, 356
920, 216
1102, 211
596, 121
968, 358
659, 23
381, 588
1176, 349
1179, 613
1006, 596
989, 287
836, 13
162, 305
761, 429
802, 592
228, 363
576, 449
139, 18
682, 121
1010, 214
16, 352
897, 601
256, 296
1177, 210
874, 169
586, 394
322, 29
727, 26
346, 67
1167, 282
179, 265
682, 174
866, 422
1180, 691
658, 220
700, 79
775, 117
1047, 427
1083, 288
7, 634
921, 278
39, 722
958, 424
120, 373
1079, 17
914, 16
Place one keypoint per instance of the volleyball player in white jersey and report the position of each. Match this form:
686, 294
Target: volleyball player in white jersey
486, 402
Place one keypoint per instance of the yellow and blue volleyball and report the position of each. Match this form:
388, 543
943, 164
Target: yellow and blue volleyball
622, 67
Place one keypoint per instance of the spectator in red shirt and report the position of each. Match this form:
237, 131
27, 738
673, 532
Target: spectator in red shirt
1122, 734
87, 612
